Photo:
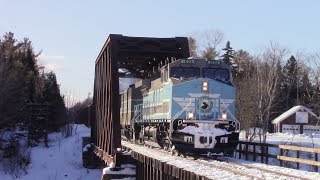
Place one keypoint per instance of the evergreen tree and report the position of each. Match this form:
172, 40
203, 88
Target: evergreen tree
21, 83
13, 82
228, 56
51, 95
306, 90
290, 83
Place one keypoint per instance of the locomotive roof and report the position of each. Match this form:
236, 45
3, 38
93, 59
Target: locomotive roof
202, 63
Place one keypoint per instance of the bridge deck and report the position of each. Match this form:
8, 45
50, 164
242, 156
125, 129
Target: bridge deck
161, 165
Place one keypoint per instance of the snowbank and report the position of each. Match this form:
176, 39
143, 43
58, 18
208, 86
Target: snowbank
62, 160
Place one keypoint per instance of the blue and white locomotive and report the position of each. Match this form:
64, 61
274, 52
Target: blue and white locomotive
189, 108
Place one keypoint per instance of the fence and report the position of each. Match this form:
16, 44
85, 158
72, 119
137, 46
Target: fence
297, 159
256, 151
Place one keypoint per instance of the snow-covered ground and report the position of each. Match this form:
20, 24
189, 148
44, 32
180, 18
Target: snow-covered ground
302, 140
62, 160
305, 140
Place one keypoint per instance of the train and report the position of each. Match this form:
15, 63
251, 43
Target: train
189, 108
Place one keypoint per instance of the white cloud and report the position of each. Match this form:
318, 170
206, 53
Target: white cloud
51, 67
50, 62
46, 58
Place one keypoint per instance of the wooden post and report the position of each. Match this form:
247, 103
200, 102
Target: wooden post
240, 150
246, 146
298, 154
254, 152
267, 154
262, 152
316, 168
281, 154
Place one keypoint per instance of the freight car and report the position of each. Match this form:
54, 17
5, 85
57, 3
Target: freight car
189, 108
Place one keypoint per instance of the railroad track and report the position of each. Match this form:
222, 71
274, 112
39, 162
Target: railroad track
227, 165
237, 165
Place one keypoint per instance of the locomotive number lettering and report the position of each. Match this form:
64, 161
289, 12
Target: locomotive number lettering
187, 61
214, 62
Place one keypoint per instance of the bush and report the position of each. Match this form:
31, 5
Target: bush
15, 155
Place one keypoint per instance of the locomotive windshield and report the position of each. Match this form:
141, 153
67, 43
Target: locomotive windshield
185, 72
214, 73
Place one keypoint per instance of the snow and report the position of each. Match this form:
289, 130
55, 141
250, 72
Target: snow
302, 140
86, 148
315, 135
219, 173
62, 160
124, 83
290, 112
128, 169
204, 131
256, 172
127, 152
112, 165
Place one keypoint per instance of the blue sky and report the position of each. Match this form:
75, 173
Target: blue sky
71, 33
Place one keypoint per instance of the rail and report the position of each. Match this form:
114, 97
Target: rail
153, 168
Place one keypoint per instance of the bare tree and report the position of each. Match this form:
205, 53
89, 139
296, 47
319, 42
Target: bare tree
213, 38
258, 86
206, 43
209, 53
246, 92
193, 47
314, 68
268, 76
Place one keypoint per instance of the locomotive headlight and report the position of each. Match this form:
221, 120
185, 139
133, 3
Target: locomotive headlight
205, 86
190, 115
224, 116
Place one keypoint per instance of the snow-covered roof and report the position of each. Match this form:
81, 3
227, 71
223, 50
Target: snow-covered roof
291, 111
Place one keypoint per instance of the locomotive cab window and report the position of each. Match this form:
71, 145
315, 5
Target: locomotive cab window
215, 73
184, 72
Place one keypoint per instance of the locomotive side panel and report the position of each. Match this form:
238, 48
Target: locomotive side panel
129, 99
123, 108
157, 101
134, 99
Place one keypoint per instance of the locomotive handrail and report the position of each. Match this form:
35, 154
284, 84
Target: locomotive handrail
137, 112
177, 115
180, 112
234, 118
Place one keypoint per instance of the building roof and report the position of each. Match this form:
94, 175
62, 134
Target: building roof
291, 111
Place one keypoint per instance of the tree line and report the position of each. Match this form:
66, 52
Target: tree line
267, 84
23, 81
